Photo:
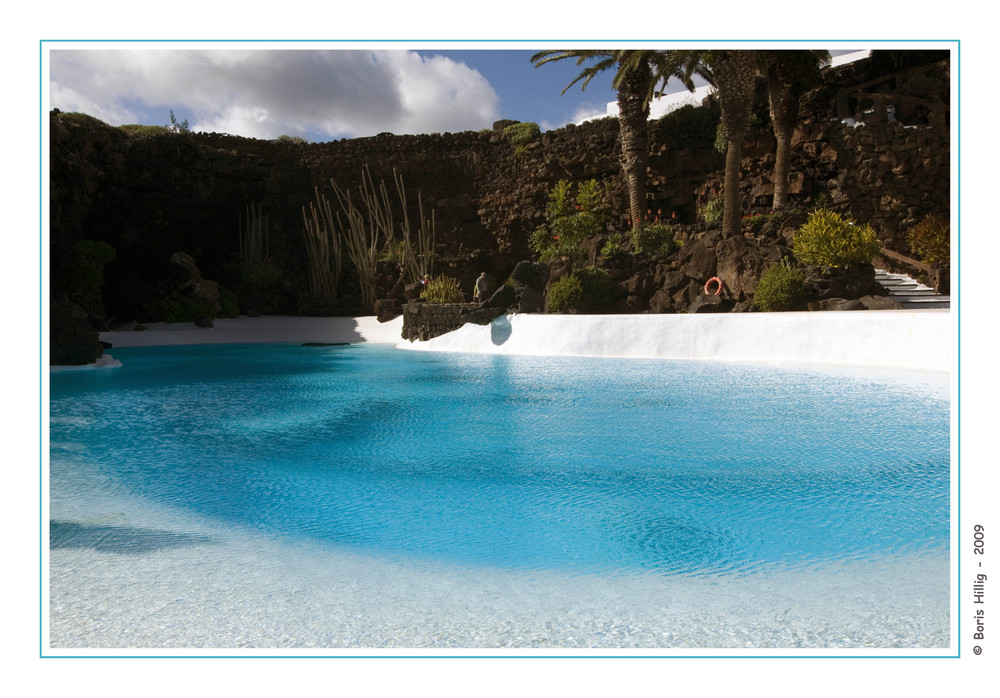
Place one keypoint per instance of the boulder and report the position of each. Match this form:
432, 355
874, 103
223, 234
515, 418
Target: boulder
412, 291
669, 279
847, 282
73, 341
710, 303
203, 291
533, 274
387, 309
530, 300
880, 303
640, 284
661, 302
481, 316
698, 260
503, 298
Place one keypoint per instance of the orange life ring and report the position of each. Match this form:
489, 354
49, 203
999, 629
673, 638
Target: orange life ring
718, 282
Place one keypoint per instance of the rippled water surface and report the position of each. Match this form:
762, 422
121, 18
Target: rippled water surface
521, 463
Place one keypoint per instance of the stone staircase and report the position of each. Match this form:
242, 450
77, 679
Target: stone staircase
910, 293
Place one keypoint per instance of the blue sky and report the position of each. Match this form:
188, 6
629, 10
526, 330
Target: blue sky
319, 91
318, 94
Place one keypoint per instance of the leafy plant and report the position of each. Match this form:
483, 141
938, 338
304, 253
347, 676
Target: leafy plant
781, 287
654, 238
442, 289
827, 240
930, 239
711, 211
571, 221
614, 246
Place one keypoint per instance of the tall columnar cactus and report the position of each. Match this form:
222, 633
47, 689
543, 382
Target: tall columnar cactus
253, 240
324, 248
370, 226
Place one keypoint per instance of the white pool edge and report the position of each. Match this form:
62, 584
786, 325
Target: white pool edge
914, 340
922, 340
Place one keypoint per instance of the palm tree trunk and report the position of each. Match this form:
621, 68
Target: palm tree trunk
782, 158
633, 115
732, 210
735, 72
784, 107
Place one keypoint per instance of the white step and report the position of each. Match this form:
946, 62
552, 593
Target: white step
909, 292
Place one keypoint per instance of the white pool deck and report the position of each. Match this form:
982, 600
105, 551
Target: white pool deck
923, 340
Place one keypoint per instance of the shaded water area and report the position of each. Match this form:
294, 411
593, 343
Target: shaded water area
362, 496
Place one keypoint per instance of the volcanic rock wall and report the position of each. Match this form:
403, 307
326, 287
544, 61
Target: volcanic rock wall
153, 196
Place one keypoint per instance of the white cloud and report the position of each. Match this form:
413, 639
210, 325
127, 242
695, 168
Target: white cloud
265, 94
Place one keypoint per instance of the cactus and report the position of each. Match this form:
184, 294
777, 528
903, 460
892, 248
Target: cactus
324, 248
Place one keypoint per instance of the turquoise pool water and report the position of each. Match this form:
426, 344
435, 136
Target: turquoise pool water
575, 466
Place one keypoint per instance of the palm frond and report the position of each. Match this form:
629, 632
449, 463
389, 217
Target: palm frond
606, 60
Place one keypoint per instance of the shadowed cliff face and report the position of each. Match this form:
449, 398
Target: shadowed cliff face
153, 196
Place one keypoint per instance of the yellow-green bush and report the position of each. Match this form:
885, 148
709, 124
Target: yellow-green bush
930, 239
827, 240
442, 289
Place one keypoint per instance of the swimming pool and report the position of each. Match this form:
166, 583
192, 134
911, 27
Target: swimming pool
662, 487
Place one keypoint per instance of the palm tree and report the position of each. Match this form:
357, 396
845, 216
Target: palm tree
633, 80
733, 74
788, 74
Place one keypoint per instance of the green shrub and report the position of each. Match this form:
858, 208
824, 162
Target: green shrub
585, 288
566, 294
711, 211
930, 239
522, 133
827, 240
443, 289
654, 238
598, 286
781, 287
